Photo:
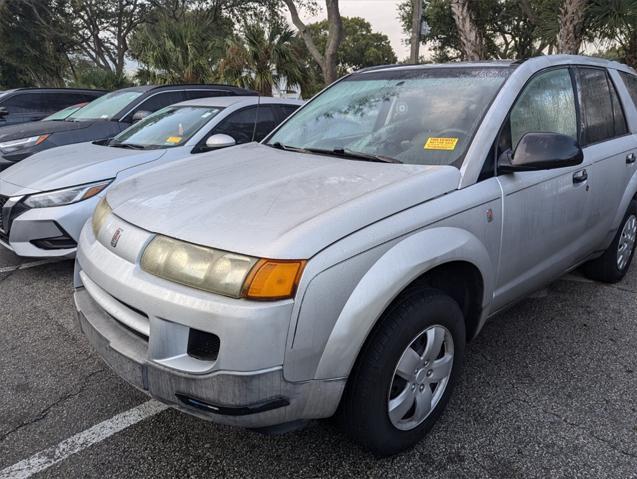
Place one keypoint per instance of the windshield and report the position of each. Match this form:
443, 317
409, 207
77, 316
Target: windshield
171, 126
424, 116
105, 107
63, 114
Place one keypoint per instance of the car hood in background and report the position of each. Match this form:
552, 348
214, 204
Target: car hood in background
74, 165
257, 200
36, 128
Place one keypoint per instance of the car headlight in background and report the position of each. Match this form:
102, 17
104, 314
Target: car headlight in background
14, 145
221, 272
66, 196
102, 210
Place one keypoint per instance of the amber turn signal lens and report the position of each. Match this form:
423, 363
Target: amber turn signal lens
273, 279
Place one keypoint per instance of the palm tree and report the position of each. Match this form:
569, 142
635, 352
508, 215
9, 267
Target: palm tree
616, 21
471, 40
263, 58
571, 32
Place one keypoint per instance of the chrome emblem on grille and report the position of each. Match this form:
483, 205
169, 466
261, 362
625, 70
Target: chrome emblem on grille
116, 236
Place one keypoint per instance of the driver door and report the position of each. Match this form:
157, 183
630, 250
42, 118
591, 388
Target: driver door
544, 212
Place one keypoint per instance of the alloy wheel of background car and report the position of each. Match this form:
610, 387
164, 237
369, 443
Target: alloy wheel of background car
420, 377
626, 242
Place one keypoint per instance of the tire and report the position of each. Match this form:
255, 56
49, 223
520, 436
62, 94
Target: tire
612, 266
363, 413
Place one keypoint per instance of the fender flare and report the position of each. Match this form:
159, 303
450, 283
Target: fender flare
387, 278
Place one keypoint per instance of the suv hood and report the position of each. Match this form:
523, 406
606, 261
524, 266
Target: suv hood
36, 128
260, 201
72, 165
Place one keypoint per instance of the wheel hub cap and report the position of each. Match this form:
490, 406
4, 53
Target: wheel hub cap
626, 242
420, 377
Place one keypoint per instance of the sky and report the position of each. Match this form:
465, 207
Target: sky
381, 14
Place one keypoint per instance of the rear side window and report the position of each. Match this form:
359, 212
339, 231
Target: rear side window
546, 105
631, 85
602, 116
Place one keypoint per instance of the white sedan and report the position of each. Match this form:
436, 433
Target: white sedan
46, 199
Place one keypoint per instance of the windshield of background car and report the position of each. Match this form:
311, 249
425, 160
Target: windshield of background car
171, 126
424, 116
105, 107
63, 114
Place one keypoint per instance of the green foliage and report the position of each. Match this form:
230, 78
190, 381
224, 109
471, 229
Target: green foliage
262, 58
616, 22
361, 47
87, 75
180, 49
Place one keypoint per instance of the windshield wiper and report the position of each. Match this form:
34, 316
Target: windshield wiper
355, 155
280, 146
130, 146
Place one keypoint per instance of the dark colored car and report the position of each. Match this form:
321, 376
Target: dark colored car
24, 105
102, 118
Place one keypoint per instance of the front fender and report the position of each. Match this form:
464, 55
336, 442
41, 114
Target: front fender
383, 282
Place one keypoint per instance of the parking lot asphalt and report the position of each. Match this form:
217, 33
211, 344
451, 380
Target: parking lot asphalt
549, 390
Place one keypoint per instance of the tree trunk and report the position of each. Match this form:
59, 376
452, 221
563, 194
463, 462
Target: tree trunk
569, 38
416, 22
326, 60
471, 41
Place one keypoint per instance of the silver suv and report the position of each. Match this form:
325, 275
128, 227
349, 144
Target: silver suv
340, 266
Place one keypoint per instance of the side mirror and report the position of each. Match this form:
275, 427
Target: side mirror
541, 151
3, 111
140, 115
219, 141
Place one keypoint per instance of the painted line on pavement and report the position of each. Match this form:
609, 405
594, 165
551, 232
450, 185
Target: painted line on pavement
48, 457
32, 264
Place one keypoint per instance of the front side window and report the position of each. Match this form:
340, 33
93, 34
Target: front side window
172, 126
239, 125
105, 107
424, 116
546, 105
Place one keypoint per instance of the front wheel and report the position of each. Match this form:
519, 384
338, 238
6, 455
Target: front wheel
612, 266
405, 373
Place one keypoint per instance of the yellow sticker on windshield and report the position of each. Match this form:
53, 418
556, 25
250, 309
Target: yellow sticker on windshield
173, 139
441, 143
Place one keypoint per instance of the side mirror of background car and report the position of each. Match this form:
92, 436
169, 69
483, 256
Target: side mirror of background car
541, 151
219, 140
140, 115
3, 111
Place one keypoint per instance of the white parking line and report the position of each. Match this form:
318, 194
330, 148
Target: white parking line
33, 264
48, 457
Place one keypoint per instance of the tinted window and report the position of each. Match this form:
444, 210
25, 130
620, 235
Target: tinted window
161, 100
597, 109
631, 84
24, 103
240, 125
547, 105
618, 113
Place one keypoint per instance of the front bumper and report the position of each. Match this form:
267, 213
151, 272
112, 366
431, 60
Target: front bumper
48, 232
141, 326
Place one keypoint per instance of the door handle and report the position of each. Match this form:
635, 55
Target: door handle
630, 158
580, 176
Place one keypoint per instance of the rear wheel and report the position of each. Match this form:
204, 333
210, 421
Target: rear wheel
405, 373
614, 263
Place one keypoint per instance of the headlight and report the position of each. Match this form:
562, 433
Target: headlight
14, 145
220, 272
102, 210
66, 196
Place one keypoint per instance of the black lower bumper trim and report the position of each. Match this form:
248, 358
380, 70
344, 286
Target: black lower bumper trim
233, 410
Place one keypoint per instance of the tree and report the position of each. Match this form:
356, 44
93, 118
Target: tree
571, 31
180, 45
615, 21
471, 41
262, 58
416, 22
34, 42
327, 59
